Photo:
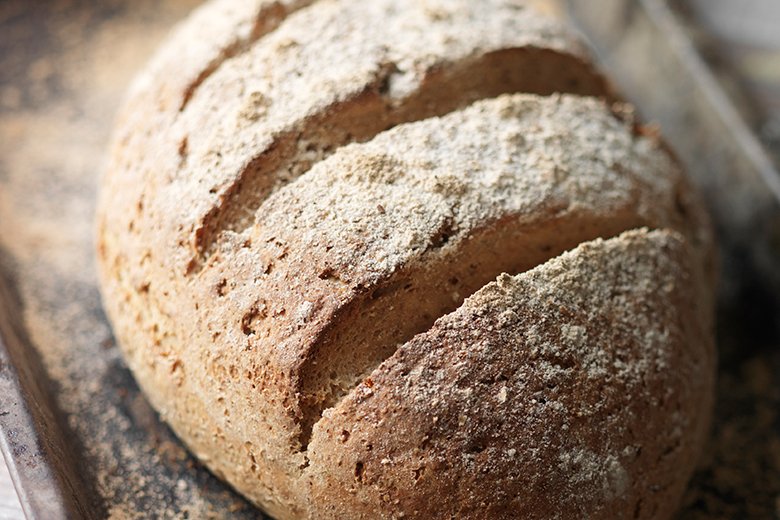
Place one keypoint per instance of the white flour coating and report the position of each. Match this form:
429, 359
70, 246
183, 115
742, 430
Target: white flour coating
391, 197
513, 359
285, 68
283, 296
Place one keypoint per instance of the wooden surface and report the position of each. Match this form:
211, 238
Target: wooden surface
10, 509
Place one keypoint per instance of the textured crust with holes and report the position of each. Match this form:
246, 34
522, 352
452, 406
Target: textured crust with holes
408, 258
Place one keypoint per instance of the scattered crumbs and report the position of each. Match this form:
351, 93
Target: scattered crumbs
501, 395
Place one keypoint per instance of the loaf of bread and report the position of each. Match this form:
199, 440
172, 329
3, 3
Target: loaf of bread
408, 259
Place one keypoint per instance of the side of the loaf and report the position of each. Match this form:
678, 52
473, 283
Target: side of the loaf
314, 188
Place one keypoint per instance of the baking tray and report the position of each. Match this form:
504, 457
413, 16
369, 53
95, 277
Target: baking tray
80, 439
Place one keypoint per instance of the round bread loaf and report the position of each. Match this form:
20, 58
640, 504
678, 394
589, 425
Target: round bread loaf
406, 259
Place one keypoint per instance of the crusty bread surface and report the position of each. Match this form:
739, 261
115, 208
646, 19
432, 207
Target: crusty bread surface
408, 259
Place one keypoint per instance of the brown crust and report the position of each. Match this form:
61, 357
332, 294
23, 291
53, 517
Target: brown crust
504, 405
255, 269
